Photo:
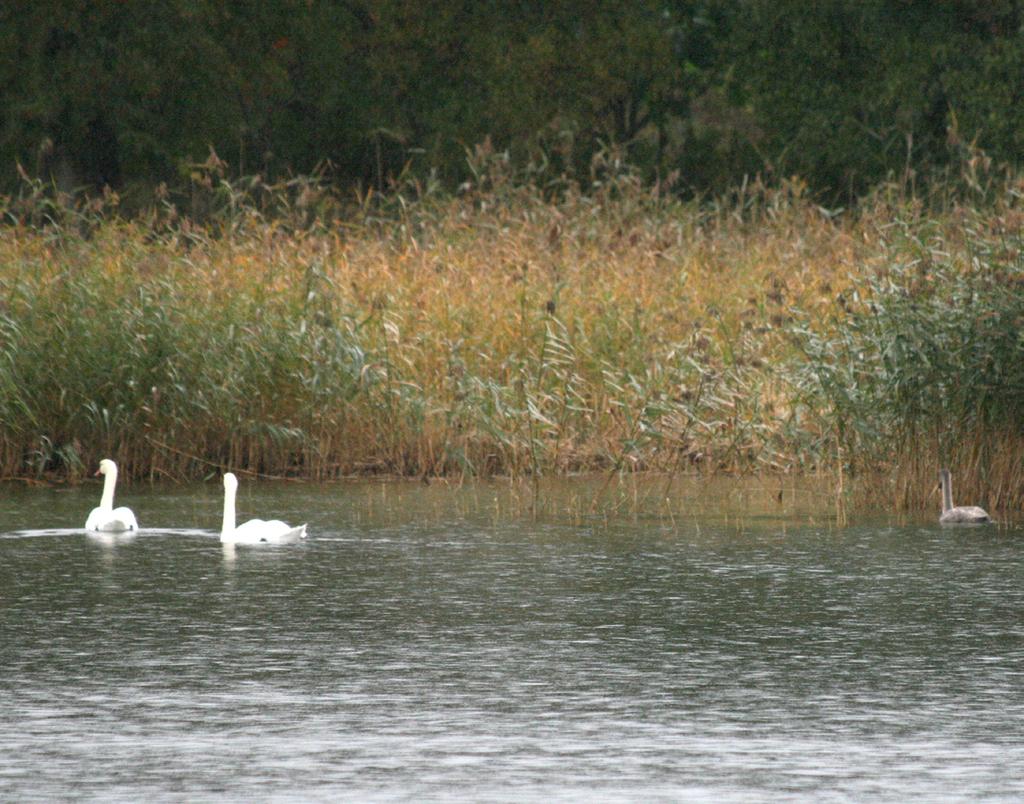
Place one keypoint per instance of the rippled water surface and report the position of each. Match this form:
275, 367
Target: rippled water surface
435, 642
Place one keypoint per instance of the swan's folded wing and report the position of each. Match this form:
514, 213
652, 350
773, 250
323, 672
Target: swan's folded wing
281, 532
96, 517
252, 531
115, 521
126, 516
965, 514
273, 531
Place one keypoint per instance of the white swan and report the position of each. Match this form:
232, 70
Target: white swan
107, 518
255, 531
961, 513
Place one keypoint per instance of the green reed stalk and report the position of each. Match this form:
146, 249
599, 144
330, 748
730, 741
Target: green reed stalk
753, 335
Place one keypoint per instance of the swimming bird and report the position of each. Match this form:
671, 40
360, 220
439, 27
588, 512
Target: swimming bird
105, 517
961, 513
255, 531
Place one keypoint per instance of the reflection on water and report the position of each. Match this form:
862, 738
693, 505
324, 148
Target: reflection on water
436, 642
111, 540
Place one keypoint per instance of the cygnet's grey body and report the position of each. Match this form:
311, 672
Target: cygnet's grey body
961, 514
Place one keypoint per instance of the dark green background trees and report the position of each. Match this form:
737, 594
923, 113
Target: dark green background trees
843, 93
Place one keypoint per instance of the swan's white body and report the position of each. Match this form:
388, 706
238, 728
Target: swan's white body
958, 514
255, 531
106, 517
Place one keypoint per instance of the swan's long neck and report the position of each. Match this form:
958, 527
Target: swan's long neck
947, 492
109, 480
227, 528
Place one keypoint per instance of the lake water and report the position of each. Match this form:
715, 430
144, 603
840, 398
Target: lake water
443, 643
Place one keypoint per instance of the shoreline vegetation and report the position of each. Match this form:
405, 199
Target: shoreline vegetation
519, 331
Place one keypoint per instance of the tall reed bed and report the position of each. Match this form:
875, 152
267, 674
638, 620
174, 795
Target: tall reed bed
924, 367
499, 332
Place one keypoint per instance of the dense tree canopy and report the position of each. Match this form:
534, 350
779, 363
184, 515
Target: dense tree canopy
841, 93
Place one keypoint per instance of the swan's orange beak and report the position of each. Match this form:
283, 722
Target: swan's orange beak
97, 473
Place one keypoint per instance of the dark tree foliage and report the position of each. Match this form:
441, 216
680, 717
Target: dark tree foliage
854, 92
843, 93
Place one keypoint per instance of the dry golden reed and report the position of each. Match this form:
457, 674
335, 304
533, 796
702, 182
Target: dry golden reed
493, 333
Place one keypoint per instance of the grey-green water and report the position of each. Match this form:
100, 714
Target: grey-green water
436, 642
